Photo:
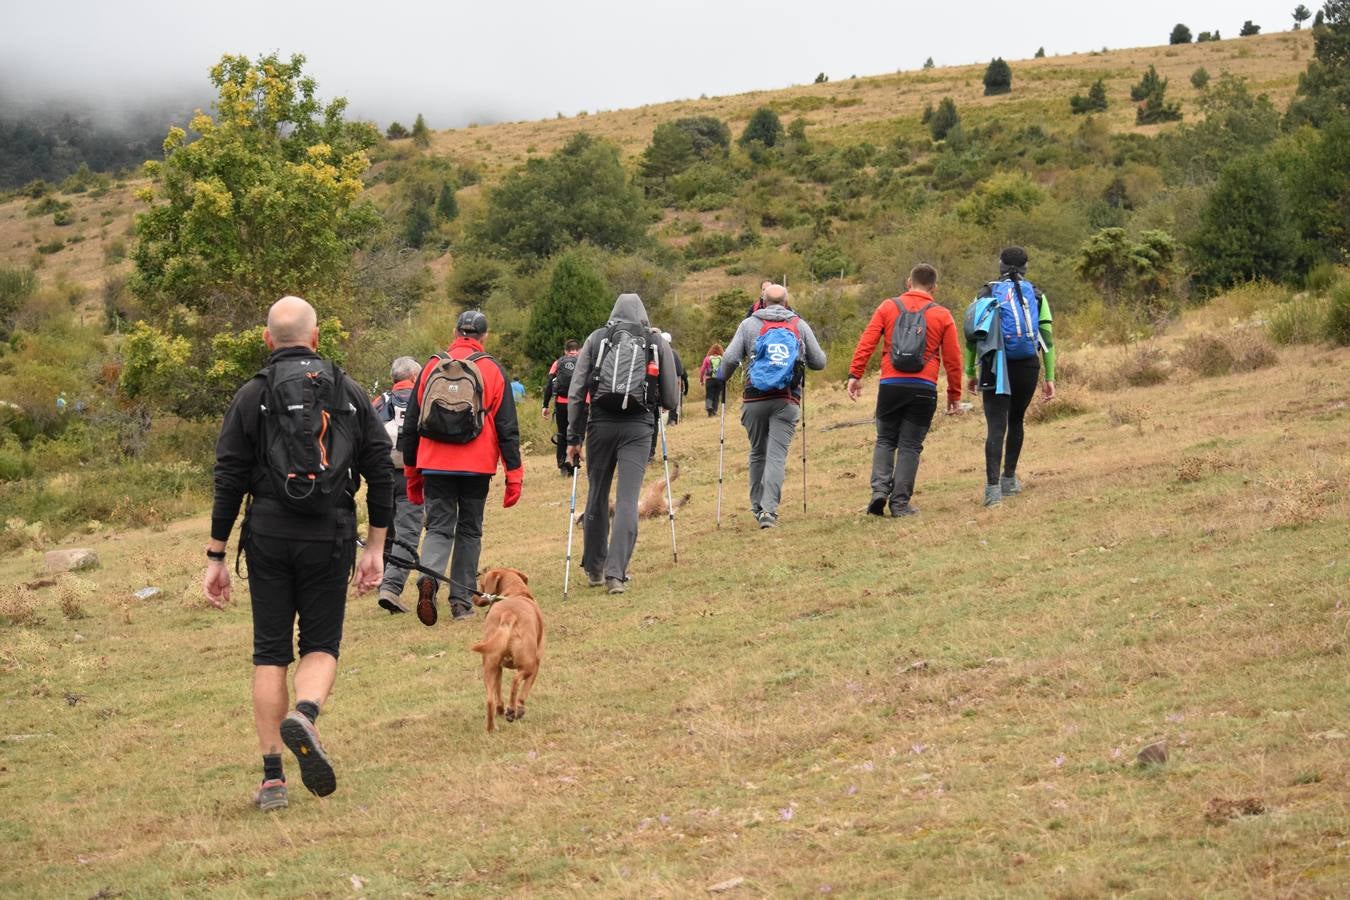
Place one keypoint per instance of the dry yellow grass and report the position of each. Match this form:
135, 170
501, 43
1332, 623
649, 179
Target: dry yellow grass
944, 706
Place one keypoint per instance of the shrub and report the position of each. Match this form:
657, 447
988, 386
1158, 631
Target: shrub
764, 126
16, 286
1200, 78
421, 134
1040, 53
1002, 191
1249, 29
1300, 321
670, 153
396, 131
50, 247
1336, 326
1251, 351
1245, 231
473, 279
827, 260
1180, 35
944, 119
1095, 101
997, 78
1145, 367
1151, 95
575, 304
1320, 278
1207, 356
928, 63
710, 136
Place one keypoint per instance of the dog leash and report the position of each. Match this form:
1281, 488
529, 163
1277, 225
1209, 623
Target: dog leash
415, 564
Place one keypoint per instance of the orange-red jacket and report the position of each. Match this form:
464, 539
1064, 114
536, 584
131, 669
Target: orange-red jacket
944, 350
500, 438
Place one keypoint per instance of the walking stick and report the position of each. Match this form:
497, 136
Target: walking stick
721, 452
803, 443
670, 506
571, 524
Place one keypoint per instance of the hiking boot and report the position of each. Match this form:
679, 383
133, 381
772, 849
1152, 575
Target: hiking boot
316, 772
1009, 485
460, 613
900, 512
615, 585
271, 794
426, 601
877, 506
768, 520
595, 579
390, 601
993, 496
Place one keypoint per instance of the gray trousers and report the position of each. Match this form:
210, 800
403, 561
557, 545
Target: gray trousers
904, 415
613, 445
454, 507
408, 520
770, 425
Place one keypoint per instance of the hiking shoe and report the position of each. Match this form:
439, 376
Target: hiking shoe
426, 601
902, 511
877, 506
615, 585
391, 602
768, 520
460, 613
271, 794
316, 772
1009, 485
595, 580
993, 496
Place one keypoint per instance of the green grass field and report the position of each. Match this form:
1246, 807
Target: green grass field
948, 706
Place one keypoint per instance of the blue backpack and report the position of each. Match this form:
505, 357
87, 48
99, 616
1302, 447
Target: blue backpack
1019, 317
774, 364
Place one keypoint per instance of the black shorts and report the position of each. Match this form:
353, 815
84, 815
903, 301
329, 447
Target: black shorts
288, 579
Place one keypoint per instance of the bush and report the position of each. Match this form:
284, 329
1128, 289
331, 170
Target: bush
16, 286
1180, 35
1249, 29
1320, 278
1145, 367
1002, 191
396, 131
997, 78
1245, 231
575, 304
1337, 323
1300, 321
1095, 101
764, 126
1207, 356
827, 260
944, 119
1200, 78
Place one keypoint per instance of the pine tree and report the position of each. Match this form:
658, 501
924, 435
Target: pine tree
670, 153
447, 207
1301, 15
396, 131
928, 63
1040, 53
997, 78
764, 126
575, 304
944, 119
421, 135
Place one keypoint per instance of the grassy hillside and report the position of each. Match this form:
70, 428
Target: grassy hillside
945, 706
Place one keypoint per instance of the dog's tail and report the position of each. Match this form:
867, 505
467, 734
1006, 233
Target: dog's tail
497, 641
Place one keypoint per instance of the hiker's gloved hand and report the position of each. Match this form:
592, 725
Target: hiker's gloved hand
1049, 390
415, 486
513, 483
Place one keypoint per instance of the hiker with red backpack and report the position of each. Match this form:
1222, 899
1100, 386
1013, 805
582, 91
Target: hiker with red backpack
1008, 329
778, 347
461, 422
297, 439
391, 408
629, 373
917, 337
556, 389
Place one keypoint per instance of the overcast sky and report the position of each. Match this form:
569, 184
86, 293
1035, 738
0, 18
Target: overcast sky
489, 61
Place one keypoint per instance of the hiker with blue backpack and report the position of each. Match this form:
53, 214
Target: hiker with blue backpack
1008, 330
628, 371
918, 337
778, 347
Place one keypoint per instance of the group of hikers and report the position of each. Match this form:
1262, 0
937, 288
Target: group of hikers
300, 437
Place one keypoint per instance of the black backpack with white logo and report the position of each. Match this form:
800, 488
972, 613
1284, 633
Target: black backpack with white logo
625, 369
562, 377
308, 434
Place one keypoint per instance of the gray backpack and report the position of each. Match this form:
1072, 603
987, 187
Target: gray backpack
625, 369
909, 338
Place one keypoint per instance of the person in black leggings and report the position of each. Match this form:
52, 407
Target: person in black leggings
1004, 414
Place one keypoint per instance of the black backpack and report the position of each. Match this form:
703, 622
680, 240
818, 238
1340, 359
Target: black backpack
625, 369
562, 378
909, 338
308, 434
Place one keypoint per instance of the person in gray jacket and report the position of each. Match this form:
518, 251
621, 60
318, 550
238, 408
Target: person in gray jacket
771, 403
628, 371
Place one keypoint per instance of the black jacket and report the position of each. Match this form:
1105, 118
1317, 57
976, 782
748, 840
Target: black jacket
240, 469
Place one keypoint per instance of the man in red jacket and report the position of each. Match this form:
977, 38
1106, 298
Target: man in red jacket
452, 478
906, 401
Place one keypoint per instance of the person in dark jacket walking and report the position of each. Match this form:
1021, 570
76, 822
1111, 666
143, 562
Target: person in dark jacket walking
707, 376
559, 382
452, 479
391, 408
617, 437
299, 563
770, 416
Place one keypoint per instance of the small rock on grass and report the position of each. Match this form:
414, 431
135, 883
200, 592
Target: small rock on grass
1154, 754
77, 559
723, 886
147, 593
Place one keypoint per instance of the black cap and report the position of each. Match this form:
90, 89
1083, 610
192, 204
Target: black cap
1013, 258
471, 321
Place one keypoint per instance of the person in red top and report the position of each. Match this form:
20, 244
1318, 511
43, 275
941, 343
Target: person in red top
453, 479
906, 401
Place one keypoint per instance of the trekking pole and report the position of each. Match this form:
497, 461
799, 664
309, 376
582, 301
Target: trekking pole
571, 524
721, 452
803, 443
670, 506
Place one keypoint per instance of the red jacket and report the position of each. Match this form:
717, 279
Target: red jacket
500, 438
944, 350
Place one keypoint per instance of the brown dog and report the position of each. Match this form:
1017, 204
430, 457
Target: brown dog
652, 500
513, 638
